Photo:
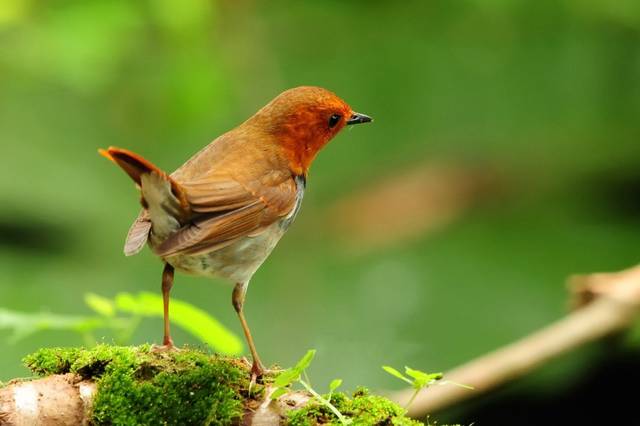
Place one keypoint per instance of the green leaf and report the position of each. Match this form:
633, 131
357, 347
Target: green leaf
286, 377
422, 379
305, 361
144, 304
190, 318
335, 384
278, 393
292, 374
396, 373
24, 324
99, 304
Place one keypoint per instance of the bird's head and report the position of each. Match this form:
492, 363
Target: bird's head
302, 120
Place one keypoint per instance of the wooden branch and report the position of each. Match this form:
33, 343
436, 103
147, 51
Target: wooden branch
66, 400
58, 400
605, 303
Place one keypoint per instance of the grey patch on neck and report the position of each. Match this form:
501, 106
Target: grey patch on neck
300, 186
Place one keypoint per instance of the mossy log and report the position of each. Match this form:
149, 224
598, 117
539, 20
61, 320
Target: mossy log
137, 386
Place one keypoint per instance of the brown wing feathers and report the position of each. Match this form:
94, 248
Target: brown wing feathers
221, 208
138, 234
210, 231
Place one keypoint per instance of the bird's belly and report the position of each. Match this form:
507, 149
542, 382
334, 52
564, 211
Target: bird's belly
236, 262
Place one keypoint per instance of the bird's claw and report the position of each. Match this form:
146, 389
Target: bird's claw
252, 383
257, 372
164, 348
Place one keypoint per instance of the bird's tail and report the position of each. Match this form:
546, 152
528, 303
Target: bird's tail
136, 166
163, 199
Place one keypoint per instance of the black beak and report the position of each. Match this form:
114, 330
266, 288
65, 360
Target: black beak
358, 118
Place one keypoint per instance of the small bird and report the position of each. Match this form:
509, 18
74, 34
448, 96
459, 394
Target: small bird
224, 210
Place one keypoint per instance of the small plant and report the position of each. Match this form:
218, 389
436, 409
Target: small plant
419, 380
122, 315
294, 374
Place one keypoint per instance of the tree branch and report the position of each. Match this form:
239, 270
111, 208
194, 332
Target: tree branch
66, 400
56, 400
606, 303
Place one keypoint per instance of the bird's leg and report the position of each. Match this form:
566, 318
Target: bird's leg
167, 283
237, 298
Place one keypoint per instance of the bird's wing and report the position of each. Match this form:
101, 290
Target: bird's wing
227, 208
138, 234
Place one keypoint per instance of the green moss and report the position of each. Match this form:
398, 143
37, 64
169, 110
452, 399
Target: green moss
363, 409
137, 386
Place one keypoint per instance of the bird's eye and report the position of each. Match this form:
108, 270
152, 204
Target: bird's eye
334, 119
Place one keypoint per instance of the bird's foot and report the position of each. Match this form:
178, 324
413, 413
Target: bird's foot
258, 371
166, 347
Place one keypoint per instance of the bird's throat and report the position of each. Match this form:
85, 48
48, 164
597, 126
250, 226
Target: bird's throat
301, 151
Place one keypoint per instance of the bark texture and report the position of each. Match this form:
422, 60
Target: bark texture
60, 400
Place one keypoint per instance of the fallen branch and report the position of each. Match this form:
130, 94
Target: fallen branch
56, 400
135, 385
66, 400
605, 303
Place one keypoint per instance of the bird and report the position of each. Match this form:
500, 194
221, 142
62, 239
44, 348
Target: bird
224, 210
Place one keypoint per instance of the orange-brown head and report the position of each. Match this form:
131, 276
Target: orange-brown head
302, 120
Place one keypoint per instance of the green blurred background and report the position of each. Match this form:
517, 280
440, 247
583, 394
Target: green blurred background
503, 158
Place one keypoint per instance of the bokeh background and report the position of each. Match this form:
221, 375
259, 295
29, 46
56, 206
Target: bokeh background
503, 157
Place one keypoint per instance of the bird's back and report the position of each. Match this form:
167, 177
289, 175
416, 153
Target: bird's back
238, 184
